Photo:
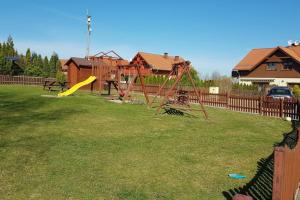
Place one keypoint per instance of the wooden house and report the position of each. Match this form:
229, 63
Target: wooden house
158, 64
270, 66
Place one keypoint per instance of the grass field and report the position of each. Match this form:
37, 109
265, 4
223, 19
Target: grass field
83, 147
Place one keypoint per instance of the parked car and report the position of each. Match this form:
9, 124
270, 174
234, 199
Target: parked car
280, 93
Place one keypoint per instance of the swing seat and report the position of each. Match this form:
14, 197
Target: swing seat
121, 94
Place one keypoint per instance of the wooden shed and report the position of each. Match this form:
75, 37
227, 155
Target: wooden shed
79, 69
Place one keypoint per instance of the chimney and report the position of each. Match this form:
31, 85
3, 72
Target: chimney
166, 55
176, 58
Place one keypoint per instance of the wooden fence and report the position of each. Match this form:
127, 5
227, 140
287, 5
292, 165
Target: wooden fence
286, 176
23, 80
250, 104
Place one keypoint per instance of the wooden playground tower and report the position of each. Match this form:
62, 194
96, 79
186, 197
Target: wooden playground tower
111, 70
105, 68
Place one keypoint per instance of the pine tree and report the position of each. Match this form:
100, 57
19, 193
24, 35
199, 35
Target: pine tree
4, 49
2, 64
53, 64
22, 62
10, 51
58, 65
46, 69
40, 62
28, 57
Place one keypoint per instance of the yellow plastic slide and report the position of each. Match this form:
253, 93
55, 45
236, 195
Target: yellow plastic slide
77, 86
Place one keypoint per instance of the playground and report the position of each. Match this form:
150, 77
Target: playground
105, 70
85, 147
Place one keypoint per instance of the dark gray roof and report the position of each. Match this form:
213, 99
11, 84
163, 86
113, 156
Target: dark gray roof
13, 58
82, 62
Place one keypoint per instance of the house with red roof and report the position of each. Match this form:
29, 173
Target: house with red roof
159, 64
270, 66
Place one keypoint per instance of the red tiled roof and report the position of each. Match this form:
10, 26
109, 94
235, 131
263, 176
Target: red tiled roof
256, 56
160, 62
252, 58
294, 52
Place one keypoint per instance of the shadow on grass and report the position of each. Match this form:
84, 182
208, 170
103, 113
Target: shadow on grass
260, 187
29, 112
176, 112
17, 110
173, 111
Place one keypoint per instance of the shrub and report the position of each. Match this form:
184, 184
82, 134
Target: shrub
296, 90
60, 77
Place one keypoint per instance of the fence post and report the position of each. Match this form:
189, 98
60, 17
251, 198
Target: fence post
281, 108
260, 105
278, 173
227, 99
200, 95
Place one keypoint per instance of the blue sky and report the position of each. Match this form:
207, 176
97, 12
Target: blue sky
213, 35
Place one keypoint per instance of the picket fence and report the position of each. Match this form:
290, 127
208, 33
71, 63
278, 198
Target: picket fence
249, 104
23, 80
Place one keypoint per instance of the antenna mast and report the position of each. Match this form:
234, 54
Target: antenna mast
89, 31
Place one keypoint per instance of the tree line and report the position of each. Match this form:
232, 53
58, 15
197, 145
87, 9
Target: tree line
31, 64
204, 83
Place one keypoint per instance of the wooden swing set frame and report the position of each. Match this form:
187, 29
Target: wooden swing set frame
179, 69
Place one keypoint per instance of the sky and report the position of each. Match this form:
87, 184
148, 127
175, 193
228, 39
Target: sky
213, 34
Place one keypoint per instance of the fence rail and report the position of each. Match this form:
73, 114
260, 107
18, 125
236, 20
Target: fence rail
23, 80
286, 176
250, 104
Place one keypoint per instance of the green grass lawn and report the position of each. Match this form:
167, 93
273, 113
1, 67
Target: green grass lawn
83, 147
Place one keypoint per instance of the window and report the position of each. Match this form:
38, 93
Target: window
287, 65
271, 66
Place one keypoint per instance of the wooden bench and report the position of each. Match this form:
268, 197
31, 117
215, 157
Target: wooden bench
53, 85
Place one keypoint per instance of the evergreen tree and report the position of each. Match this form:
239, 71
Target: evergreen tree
46, 69
40, 62
34, 58
30, 64
22, 62
10, 51
58, 65
2, 65
28, 57
53, 64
